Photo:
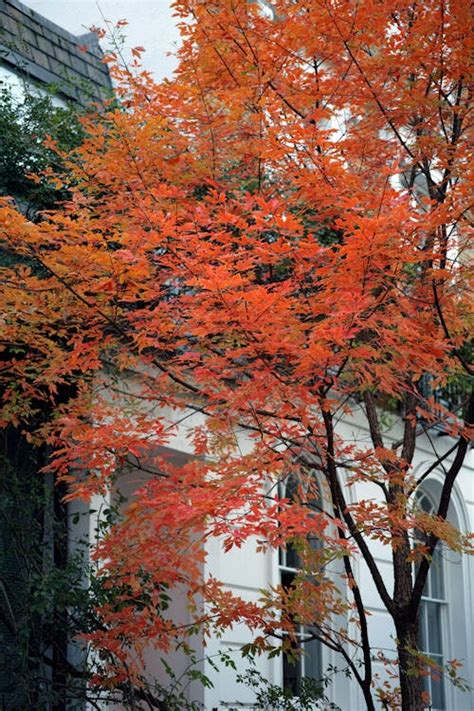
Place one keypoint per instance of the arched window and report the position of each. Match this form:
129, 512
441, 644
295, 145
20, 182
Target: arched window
433, 612
309, 663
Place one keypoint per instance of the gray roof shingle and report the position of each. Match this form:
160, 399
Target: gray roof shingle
48, 54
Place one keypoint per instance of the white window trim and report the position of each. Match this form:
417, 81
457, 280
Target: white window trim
442, 605
300, 634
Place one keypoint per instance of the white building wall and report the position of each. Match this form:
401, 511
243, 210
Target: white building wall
246, 572
12, 81
20, 86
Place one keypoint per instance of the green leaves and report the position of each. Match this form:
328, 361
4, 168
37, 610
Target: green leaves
29, 126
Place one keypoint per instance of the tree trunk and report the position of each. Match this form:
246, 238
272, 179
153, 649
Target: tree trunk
411, 682
368, 698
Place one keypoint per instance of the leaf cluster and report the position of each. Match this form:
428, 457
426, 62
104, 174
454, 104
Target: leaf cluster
29, 123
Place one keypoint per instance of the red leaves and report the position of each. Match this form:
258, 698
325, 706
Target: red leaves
248, 251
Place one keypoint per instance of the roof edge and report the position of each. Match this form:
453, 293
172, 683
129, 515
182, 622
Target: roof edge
89, 37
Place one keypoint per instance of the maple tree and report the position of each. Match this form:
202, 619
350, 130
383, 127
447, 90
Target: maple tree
276, 238
50, 594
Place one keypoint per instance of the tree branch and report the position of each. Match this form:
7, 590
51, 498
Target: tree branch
443, 507
338, 497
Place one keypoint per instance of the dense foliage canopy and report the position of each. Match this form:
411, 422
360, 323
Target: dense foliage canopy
274, 240
27, 120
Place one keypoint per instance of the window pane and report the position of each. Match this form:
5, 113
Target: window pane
434, 627
312, 660
292, 558
287, 579
291, 488
310, 663
437, 690
291, 674
315, 542
425, 504
436, 574
431, 619
281, 556
427, 588
423, 628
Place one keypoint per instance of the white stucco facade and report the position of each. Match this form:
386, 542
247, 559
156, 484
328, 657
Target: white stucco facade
246, 572
19, 87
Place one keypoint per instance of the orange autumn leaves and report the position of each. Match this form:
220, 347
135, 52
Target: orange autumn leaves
275, 232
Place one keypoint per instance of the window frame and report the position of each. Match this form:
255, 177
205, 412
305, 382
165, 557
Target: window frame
441, 605
286, 570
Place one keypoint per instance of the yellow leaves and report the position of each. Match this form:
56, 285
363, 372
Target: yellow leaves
442, 529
